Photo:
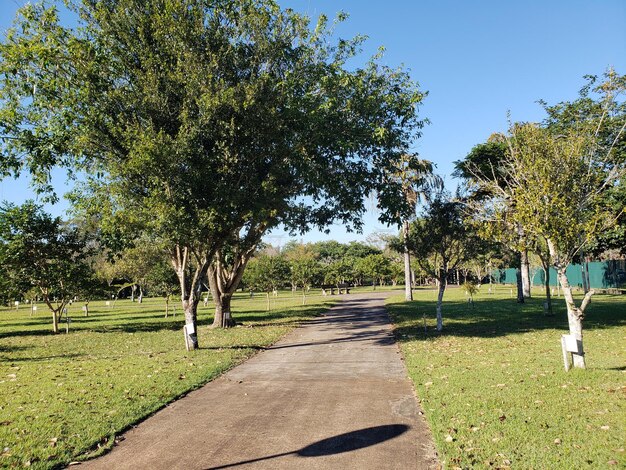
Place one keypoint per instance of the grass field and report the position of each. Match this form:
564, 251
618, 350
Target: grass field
65, 397
493, 386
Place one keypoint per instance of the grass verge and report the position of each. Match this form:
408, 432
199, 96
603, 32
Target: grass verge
493, 387
65, 397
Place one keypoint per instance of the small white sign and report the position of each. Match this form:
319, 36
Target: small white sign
107, 303
571, 344
190, 329
34, 308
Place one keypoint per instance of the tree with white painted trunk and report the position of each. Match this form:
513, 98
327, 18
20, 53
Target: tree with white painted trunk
441, 241
559, 186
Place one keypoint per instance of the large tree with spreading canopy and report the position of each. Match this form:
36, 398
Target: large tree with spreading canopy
205, 124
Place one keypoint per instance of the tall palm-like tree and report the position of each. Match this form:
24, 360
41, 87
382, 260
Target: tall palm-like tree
418, 183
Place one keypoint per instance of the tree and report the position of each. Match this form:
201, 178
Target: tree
375, 267
339, 272
440, 242
484, 171
266, 274
136, 262
38, 251
200, 121
560, 182
304, 268
417, 181
397, 272
598, 105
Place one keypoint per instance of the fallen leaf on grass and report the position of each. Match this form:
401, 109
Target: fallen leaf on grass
449, 438
557, 441
605, 428
612, 462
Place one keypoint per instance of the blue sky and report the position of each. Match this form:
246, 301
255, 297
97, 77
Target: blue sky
477, 59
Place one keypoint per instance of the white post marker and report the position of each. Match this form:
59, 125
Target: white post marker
188, 329
569, 345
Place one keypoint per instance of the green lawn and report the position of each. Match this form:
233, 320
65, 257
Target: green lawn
493, 387
63, 397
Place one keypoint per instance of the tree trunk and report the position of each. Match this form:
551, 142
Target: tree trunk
520, 290
548, 293
132, 292
55, 322
442, 287
190, 308
408, 290
140, 298
574, 317
223, 317
304, 295
525, 274
267, 295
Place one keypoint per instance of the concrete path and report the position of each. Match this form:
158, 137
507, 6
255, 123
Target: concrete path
333, 394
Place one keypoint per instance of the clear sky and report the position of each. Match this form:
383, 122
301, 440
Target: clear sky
477, 59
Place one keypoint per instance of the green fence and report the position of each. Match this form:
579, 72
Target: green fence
602, 275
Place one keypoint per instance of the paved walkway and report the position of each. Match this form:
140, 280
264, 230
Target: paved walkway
333, 394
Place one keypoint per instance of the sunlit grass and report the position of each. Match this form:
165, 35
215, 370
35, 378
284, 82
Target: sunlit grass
493, 386
63, 397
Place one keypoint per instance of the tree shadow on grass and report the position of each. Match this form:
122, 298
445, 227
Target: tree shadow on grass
496, 317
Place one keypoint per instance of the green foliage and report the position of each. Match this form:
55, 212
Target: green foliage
483, 163
304, 268
600, 106
495, 383
37, 251
198, 121
340, 271
266, 273
214, 115
331, 250
377, 268
440, 240
417, 182
470, 288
